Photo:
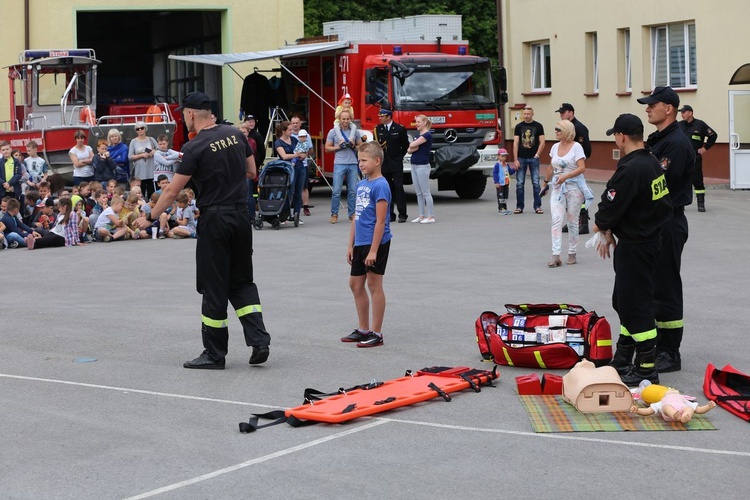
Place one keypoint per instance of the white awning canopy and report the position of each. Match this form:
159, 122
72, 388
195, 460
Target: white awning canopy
288, 51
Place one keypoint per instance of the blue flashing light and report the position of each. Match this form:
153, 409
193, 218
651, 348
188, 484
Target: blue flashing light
397, 51
462, 50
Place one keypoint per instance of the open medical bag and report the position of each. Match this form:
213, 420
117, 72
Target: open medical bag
729, 388
554, 336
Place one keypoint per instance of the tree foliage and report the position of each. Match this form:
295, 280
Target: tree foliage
479, 17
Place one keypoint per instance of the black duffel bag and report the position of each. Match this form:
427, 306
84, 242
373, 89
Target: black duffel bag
454, 159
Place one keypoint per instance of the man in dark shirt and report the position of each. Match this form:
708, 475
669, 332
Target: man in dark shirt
702, 137
528, 145
676, 157
218, 160
634, 207
392, 137
568, 112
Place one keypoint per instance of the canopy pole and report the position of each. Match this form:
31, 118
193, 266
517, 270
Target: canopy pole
306, 85
235, 72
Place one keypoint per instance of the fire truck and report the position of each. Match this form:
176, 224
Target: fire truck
53, 95
414, 65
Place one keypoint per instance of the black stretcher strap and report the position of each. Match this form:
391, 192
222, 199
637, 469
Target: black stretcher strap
278, 417
441, 392
386, 400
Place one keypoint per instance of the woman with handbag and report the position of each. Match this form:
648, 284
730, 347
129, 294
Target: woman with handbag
565, 178
141, 154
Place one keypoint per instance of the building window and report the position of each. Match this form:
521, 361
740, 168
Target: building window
673, 60
185, 77
592, 63
541, 77
626, 82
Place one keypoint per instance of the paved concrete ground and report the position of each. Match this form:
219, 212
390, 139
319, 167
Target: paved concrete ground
134, 423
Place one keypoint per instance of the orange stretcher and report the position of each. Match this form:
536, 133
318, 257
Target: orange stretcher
363, 400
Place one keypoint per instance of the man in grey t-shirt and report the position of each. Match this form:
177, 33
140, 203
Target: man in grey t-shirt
342, 140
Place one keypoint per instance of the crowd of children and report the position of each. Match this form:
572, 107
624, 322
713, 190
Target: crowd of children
32, 216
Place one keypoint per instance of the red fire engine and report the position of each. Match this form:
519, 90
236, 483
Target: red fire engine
416, 65
53, 94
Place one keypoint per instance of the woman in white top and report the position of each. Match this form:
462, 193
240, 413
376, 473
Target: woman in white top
566, 196
82, 157
141, 155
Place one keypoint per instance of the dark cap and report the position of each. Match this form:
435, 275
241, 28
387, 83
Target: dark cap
385, 111
249, 117
686, 107
195, 100
627, 124
566, 106
662, 94
49, 202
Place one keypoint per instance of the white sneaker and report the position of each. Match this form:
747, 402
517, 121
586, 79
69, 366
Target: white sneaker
418, 219
428, 220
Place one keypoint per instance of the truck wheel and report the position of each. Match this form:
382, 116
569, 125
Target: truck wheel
470, 186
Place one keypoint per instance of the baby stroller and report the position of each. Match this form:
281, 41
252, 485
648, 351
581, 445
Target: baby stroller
273, 194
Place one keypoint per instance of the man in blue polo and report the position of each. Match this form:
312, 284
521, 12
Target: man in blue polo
342, 140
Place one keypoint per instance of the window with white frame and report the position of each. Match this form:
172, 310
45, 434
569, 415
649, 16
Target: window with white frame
626, 60
592, 65
541, 77
673, 60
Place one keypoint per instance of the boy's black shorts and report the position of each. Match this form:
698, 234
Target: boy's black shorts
360, 254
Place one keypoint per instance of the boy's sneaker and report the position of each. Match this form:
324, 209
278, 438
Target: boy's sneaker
106, 239
355, 336
13, 244
161, 235
371, 340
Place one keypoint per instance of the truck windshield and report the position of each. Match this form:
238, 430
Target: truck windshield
468, 87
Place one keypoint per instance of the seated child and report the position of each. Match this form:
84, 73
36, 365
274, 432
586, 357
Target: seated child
44, 191
45, 218
15, 230
162, 181
30, 208
100, 196
111, 186
83, 220
64, 232
129, 214
164, 158
191, 202
133, 183
109, 227
84, 191
184, 218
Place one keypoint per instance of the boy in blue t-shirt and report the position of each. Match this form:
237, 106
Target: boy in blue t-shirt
369, 244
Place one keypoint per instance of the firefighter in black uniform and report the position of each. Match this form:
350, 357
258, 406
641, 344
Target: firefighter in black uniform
568, 112
702, 137
676, 157
392, 137
634, 207
218, 160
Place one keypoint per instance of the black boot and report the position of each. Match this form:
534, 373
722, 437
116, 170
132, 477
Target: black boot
622, 361
668, 350
701, 202
643, 368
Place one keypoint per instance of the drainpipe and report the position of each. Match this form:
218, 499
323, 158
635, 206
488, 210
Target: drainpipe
26, 24
500, 62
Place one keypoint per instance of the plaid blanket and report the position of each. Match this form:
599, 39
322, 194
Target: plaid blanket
553, 414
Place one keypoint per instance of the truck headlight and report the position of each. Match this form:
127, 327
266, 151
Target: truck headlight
490, 136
